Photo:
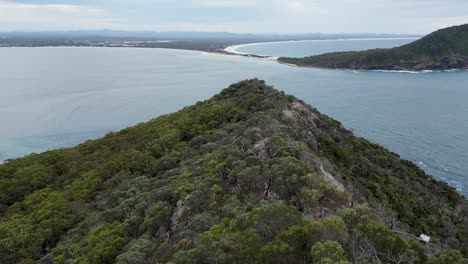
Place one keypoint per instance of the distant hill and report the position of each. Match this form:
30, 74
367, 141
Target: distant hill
441, 50
249, 176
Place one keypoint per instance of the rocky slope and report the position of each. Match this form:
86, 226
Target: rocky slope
249, 176
444, 49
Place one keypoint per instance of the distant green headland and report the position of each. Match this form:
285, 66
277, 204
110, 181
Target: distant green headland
249, 176
444, 49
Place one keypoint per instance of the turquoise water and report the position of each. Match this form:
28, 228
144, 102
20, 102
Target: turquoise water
315, 47
55, 97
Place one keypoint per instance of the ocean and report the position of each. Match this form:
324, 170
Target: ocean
58, 97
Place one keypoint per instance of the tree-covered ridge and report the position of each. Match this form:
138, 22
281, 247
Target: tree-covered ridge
249, 176
441, 50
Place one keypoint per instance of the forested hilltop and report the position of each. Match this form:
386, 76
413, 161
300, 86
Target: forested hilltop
249, 176
444, 49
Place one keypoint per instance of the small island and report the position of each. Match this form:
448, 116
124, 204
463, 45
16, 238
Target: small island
445, 49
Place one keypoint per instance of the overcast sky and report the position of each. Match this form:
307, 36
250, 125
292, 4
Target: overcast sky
248, 16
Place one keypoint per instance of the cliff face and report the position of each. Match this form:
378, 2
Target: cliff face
249, 176
444, 49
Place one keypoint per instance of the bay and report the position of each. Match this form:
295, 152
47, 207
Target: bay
315, 47
58, 97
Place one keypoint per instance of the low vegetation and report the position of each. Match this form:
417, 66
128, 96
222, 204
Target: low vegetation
249, 176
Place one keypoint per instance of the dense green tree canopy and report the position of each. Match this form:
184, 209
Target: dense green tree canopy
249, 176
441, 50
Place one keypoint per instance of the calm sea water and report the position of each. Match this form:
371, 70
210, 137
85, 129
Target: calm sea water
56, 97
315, 47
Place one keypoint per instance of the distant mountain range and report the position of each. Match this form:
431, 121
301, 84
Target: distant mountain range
189, 40
177, 35
441, 50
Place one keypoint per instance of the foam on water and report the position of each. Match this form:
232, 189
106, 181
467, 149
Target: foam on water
416, 72
421, 164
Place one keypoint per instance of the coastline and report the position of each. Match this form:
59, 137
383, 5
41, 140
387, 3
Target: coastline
232, 49
229, 52
344, 71
362, 70
275, 59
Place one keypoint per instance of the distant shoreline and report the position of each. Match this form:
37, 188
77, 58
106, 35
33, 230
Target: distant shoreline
232, 49
384, 71
268, 58
443, 49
